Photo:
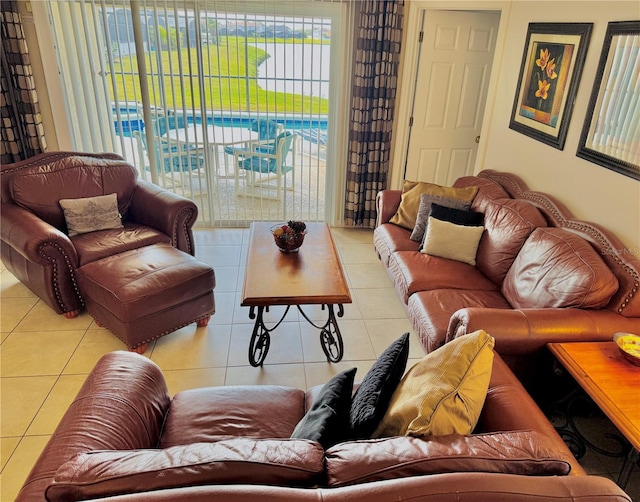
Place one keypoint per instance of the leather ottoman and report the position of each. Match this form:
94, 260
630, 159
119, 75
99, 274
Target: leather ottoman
145, 293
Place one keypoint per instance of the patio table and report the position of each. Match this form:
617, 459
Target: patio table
216, 136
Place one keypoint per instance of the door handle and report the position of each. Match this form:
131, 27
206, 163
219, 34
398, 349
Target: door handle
477, 139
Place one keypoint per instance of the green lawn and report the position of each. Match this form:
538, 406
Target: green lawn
230, 70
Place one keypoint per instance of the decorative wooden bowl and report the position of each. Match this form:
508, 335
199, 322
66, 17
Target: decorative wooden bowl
629, 346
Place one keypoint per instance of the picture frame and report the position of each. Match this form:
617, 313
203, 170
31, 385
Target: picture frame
610, 134
552, 63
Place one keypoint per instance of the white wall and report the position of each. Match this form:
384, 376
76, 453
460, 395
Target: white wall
590, 191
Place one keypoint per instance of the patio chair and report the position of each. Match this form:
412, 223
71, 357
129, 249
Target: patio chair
267, 129
262, 168
164, 121
174, 158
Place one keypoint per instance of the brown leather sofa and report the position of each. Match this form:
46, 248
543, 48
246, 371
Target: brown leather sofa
124, 439
35, 244
445, 299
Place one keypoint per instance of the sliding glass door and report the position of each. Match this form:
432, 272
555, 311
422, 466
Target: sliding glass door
229, 103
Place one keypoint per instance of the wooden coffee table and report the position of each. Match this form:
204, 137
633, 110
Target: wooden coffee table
614, 385
311, 276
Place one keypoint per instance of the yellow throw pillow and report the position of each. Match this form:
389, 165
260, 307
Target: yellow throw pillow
410, 200
444, 392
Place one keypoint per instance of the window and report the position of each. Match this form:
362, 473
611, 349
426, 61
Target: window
152, 80
610, 136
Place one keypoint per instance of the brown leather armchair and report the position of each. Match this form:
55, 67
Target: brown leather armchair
35, 244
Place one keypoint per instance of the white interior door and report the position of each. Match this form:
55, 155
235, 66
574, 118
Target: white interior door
451, 87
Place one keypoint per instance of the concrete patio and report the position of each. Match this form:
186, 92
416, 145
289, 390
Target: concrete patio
220, 205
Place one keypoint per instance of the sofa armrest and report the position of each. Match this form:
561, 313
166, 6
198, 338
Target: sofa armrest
522, 332
121, 406
41, 257
387, 203
166, 211
35, 239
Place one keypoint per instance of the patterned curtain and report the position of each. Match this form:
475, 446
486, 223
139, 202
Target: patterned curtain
376, 59
21, 132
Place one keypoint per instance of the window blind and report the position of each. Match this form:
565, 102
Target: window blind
616, 131
140, 73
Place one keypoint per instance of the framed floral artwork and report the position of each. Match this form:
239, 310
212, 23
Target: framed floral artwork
550, 71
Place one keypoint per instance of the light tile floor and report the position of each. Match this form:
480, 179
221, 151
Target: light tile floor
45, 357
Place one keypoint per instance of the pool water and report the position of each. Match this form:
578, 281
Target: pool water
131, 119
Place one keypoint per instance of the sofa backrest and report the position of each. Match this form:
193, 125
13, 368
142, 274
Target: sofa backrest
39, 187
507, 222
623, 262
558, 269
8, 171
486, 186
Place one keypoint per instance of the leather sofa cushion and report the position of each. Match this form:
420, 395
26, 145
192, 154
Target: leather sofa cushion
253, 461
557, 269
513, 452
219, 413
413, 272
39, 189
389, 238
508, 223
97, 245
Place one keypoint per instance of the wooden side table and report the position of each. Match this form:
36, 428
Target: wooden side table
614, 385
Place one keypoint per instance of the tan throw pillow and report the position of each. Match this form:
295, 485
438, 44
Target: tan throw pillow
444, 392
455, 242
91, 213
410, 200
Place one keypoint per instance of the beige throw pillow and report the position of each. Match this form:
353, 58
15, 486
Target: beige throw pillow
455, 242
91, 213
410, 200
444, 392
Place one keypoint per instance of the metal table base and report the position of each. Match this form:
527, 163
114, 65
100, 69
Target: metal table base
330, 336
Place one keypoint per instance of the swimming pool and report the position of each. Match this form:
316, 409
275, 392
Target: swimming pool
131, 119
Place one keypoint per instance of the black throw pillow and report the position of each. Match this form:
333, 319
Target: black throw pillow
457, 216
327, 421
372, 398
